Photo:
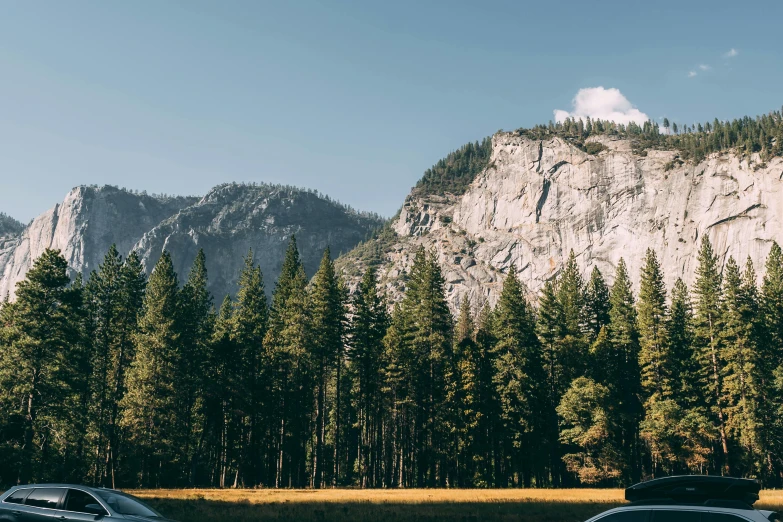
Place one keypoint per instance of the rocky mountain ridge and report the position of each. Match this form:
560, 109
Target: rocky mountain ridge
527, 202
226, 223
538, 199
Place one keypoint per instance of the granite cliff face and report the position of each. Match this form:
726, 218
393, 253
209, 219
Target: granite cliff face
538, 200
83, 227
225, 223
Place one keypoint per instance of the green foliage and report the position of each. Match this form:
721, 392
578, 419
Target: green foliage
518, 377
152, 414
368, 327
9, 226
427, 346
454, 173
42, 355
594, 148
654, 345
290, 378
707, 341
327, 321
596, 303
590, 425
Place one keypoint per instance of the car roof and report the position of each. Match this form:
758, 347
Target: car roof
746, 513
53, 485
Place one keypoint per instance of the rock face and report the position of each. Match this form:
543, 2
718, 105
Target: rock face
538, 200
225, 223
83, 227
232, 219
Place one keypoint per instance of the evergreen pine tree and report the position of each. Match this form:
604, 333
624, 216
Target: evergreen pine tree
464, 394
623, 377
487, 439
103, 294
770, 368
42, 351
428, 336
652, 319
287, 347
739, 338
151, 415
518, 378
596, 303
327, 315
251, 380
550, 330
707, 340
368, 328
197, 324
225, 387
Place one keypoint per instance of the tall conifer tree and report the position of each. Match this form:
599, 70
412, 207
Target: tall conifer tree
287, 345
518, 378
151, 416
707, 340
623, 367
368, 328
249, 327
197, 324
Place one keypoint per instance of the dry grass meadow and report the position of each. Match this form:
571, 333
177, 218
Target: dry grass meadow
398, 505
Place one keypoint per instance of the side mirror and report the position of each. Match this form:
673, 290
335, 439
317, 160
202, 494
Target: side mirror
95, 509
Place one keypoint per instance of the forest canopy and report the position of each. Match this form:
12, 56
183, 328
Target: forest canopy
125, 380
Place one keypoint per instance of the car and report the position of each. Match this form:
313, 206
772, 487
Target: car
690, 498
68, 502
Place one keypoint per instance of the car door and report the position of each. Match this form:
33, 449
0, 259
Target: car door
42, 505
80, 506
13, 504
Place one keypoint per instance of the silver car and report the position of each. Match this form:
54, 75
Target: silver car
690, 498
67, 502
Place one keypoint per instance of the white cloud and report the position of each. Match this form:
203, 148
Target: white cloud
603, 104
691, 74
731, 53
704, 67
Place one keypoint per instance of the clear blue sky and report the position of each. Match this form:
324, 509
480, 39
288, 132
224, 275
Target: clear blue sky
355, 99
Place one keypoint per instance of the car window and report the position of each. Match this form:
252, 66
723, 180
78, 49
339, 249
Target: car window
79, 500
635, 515
18, 496
44, 497
126, 504
722, 517
674, 515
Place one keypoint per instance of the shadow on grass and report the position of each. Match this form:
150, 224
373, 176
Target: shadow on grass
201, 510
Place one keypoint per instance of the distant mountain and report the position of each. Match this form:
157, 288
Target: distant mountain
231, 219
9, 226
226, 222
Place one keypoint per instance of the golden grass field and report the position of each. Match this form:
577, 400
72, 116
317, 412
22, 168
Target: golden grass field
397, 505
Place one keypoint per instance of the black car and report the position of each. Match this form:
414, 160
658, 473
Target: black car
67, 502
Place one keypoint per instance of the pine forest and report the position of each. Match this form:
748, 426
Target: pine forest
124, 380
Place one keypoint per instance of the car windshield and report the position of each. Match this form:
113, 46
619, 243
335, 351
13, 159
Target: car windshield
126, 504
